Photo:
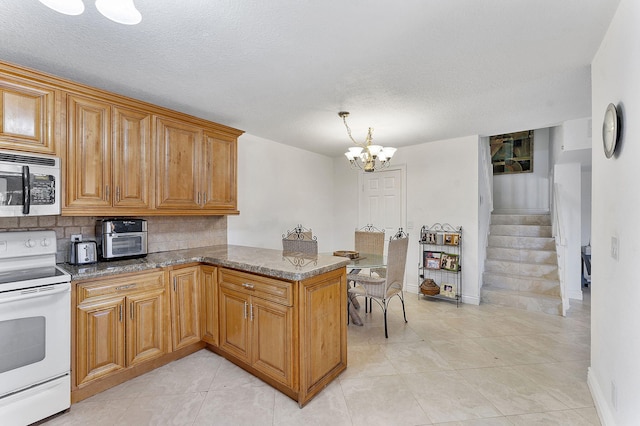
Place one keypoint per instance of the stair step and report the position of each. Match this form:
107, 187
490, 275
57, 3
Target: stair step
521, 230
534, 243
520, 269
520, 219
518, 283
532, 302
522, 255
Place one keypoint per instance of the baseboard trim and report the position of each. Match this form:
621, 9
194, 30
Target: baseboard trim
471, 300
598, 395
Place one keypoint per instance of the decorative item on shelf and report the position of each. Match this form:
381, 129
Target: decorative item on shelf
432, 259
365, 156
451, 239
449, 262
448, 290
429, 287
120, 11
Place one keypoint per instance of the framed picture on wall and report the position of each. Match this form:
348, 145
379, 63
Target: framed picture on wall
512, 152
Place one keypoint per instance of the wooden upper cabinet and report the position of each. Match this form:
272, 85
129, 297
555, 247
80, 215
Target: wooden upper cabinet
178, 164
132, 166
27, 116
88, 162
219, 171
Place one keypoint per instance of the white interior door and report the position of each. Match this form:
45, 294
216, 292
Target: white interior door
382, 200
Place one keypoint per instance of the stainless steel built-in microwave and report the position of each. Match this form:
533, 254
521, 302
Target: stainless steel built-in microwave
29, 184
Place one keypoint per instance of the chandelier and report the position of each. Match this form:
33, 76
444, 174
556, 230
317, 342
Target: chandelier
120, 11
365, 156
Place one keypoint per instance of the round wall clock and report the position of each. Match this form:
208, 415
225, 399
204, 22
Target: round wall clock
610, 130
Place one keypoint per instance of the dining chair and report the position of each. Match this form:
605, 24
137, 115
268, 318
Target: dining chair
382, 290
370, 239
300, 240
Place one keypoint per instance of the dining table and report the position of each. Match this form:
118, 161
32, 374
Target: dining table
364, 263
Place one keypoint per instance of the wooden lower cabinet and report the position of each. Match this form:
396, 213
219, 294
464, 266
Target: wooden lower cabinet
256, 331
185, 306
292, 334
119, 322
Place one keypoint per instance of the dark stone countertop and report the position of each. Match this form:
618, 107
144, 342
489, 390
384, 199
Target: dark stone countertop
269, 262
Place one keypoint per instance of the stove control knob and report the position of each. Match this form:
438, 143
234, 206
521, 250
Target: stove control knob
30, 243
45, 242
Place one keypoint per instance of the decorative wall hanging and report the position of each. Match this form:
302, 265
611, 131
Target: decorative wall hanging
512, 152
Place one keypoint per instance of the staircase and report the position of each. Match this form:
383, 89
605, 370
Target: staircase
521, 269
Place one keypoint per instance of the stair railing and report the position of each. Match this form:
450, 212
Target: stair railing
561, 245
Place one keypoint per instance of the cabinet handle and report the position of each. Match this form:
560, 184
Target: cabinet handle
251, 312
125, 287
117, 193
204, 199
131, 310
120, 311
245, 310
175, 284
198, 198
107, 191
248, 286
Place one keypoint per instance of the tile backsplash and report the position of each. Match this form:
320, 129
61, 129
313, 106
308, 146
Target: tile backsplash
164, 232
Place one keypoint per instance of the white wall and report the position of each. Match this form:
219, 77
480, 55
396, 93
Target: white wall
614, 375
278, 188
526, 192
485, 200
442, 186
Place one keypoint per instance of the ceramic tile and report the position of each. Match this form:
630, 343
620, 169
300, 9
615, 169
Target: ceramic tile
382, 400
446, 396
471, 365
511, 392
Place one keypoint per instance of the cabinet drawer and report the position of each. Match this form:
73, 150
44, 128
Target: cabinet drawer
257, 286
120, 286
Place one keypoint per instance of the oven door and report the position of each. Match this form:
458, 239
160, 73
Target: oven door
35, 334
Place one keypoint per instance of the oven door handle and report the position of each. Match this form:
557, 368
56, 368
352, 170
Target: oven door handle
30, 294
26, 190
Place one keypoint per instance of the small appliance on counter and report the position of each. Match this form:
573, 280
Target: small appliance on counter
121, 238
82, 252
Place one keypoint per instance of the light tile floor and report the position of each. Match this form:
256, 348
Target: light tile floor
472, 365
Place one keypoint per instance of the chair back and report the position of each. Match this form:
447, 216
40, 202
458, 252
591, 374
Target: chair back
397, 262
300, 240
369, 240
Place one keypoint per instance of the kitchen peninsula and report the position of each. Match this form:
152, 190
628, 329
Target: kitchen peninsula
281, 318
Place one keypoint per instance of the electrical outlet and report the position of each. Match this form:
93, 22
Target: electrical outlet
614, 248
76, 237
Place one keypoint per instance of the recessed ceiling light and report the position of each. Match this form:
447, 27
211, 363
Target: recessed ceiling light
68, 7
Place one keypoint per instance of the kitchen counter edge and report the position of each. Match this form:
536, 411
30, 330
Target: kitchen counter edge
268, 262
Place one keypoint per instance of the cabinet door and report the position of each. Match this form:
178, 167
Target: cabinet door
209, 288
185, 307
99, 339
272, 339
219, 176
146, 335
179, 148
132, 174
27, 116
234, 323
88, 153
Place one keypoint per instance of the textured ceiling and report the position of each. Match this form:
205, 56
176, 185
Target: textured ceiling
414, 70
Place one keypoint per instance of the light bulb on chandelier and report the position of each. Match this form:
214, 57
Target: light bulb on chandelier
366, 156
